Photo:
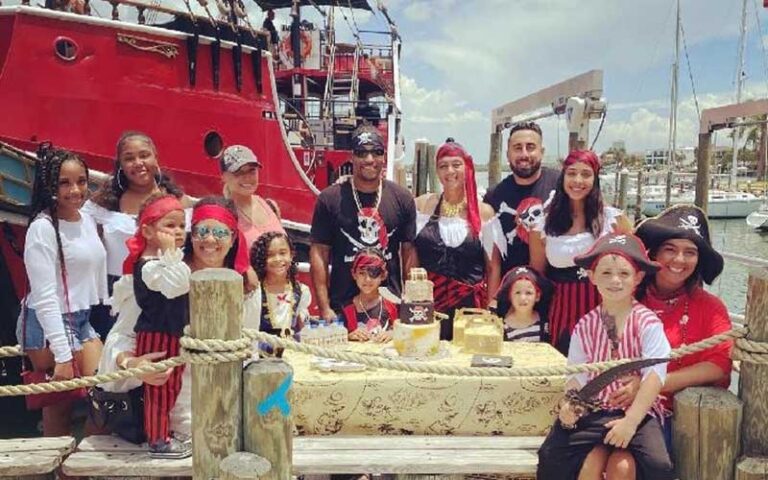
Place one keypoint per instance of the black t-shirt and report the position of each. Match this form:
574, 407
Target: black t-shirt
158, 313
269, 26
336, 223
535, 196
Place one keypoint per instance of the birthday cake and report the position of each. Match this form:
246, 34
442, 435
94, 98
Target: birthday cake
417, 334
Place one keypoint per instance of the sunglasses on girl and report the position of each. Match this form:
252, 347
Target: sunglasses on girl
372, 272
202, 231
362, 153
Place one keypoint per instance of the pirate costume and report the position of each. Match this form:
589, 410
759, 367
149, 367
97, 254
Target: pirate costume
689, 315
453, 249
595, 339
382, 315
539, 330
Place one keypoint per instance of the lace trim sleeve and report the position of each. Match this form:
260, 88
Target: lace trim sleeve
491, 234
168, 274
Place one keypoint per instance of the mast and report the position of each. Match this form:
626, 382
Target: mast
739, 84
672, 146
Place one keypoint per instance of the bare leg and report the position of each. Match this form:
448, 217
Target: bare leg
57, 419
621, 466
594, 464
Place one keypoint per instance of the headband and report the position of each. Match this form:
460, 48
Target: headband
223, 215
149, 215
583, 156
365, 261
453, 149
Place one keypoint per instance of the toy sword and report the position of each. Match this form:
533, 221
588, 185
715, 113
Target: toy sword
585, 399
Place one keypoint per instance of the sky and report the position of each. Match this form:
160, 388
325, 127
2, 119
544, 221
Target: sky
460, 59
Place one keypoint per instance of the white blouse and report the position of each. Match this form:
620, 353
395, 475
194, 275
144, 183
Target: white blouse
454, 230
85, 261
561, 250
117, 227
280, 308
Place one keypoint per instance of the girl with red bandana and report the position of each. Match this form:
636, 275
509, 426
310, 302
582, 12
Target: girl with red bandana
369, 317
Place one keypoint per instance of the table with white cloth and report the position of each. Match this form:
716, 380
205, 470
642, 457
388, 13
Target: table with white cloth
380, 401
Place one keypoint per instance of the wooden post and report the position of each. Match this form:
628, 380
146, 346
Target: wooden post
216, 305
668, 190
269, 425
754, 377
751, 468
621, 203
574, 143
420, 168
244, 466
639, 197
705, 434
434, 184
702, 171
494, 162
401, 174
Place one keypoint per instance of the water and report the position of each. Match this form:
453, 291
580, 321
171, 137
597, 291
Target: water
732, 236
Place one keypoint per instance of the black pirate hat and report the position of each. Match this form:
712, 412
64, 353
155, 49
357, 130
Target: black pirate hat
516, 273
623, 244
688, 222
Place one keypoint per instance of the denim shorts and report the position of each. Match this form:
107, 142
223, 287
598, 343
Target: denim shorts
35, 338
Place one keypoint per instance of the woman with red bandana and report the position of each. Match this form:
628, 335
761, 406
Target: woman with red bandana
575, 220
459, 241
215, 242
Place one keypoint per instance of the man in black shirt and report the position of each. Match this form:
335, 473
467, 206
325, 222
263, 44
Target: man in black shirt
363, 211
269, 25
523, 196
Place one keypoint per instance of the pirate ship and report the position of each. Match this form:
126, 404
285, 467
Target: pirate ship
203, 79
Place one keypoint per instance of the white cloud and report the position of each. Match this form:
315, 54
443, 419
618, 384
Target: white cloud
418, 11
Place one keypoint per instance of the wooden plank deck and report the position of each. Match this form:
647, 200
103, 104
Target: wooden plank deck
33, 458
104, 456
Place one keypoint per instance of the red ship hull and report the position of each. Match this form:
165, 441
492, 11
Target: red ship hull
111, 86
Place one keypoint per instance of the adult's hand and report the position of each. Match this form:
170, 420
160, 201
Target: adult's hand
624, 396
155, 378
359, 335
329, 315
63, 371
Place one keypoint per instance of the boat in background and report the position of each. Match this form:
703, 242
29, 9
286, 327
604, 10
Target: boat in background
759, 219
722, 204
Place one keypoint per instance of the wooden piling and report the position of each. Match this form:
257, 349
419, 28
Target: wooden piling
244, 466
639, 197
621, 203
401, 174
752, 468
266, 398
420, 167
705, 434
702, 171
494, 162
216, 304
434, 183
754, 378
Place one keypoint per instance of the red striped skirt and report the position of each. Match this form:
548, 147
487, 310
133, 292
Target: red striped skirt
574, 297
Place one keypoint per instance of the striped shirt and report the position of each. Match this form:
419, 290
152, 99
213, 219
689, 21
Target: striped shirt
531, 333
642, 337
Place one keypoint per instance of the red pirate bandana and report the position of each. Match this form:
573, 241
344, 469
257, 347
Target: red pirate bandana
221, 214
151, 214
364, 260
583, 156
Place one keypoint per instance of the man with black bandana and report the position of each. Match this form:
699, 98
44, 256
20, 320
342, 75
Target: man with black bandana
364, 211
521, 198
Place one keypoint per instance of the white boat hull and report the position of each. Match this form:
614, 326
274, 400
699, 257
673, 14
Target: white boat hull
716, 208
758, 220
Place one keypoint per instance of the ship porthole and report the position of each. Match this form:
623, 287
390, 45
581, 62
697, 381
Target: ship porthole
65, 48
213, 144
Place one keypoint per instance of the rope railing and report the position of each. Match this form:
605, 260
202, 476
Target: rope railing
197, 351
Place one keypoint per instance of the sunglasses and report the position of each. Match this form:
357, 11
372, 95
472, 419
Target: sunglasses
372, 272
202, 231
362, 153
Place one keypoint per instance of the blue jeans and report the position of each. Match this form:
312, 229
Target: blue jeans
76, 326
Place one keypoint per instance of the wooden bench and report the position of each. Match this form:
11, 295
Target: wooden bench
33, 458
107, 457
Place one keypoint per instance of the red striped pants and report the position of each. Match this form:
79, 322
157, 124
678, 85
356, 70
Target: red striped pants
159, 400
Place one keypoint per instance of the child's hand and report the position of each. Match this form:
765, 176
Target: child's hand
359, 335
625, 395
568, 414
621, 432
165, 240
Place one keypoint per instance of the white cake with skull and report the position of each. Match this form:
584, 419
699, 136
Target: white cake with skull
417, 334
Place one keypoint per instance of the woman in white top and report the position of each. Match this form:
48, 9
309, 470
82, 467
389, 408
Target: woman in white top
212, 244
458, 239
575, 220
114, 206
66, 267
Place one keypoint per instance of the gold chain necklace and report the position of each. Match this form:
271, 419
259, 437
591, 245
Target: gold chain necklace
357, 199
452, 209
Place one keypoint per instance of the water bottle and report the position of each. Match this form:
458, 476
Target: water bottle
322, 335
309, 334
343, 333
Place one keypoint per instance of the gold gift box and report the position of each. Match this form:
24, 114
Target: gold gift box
460, 320
483, 334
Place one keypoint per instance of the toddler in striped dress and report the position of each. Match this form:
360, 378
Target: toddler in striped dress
619, 327
522, 301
